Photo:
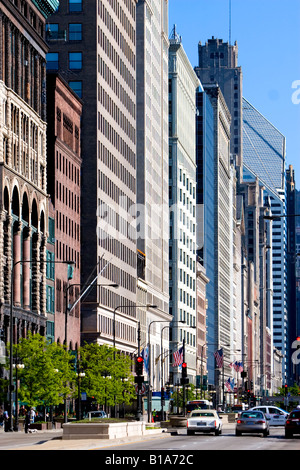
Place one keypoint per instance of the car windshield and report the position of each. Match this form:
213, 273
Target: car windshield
202, 414
253, 414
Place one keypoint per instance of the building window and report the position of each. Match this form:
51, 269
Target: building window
75, 5
52, 31
75, 32
75, 60
76, 87
50, 299
52, 61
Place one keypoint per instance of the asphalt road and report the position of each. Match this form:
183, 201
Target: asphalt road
227, 441
160, 445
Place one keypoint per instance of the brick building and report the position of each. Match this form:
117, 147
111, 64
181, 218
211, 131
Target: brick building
64, 109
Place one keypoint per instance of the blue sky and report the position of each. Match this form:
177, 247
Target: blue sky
268, 37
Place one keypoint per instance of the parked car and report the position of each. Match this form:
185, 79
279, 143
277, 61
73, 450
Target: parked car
97, 414
204, 421
292, 425
252, 421
276, 416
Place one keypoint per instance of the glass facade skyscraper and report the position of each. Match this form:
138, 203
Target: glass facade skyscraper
264, 158
264, 147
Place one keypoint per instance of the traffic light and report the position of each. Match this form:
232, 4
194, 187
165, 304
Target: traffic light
285, 390
139, 365
184, 377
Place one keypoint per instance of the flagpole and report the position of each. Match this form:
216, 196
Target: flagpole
183, 385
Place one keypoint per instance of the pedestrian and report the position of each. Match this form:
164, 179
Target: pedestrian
32, 415
6, 421
27, 421
154, 415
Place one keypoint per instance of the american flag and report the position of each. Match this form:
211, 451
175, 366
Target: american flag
229, 384
178, 357
219, 358
238, 366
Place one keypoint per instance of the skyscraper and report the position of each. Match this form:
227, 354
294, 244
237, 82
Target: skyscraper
264, 147
183, 83
153, 171
98, 60
220, 323
218, 63
264, 157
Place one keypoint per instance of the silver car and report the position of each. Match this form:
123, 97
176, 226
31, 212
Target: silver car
252, 422
204, 421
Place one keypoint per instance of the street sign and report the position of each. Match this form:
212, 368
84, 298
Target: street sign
142, 389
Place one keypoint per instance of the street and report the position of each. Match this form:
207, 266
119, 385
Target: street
166, 443
227, 441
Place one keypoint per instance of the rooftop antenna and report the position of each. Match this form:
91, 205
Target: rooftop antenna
229, 22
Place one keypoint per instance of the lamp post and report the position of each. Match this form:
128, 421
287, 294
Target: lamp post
17, 366
139, 410
149, 368
80, 375
11, 385
161, 363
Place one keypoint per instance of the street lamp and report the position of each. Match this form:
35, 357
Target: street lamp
149, 367
11, 386
161, 363
79, 376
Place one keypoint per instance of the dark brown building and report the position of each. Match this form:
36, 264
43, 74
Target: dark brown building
23, 185
64, 109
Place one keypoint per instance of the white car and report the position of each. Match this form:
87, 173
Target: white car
276, 416
204, 421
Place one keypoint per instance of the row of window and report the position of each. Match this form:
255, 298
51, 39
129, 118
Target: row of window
75, 31
75, 61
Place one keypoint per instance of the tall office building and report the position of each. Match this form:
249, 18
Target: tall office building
222, 230
23, 181
183, 83
153, 172
205, 198
218, 63
264, 148
93, 46
264, 157
291, 210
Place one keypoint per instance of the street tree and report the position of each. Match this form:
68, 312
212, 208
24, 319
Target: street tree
47, 376
108, 376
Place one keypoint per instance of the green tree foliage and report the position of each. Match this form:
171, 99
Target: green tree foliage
47, 376
108, 375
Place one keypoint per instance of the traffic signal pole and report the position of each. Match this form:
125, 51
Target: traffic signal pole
139, 384
184, 375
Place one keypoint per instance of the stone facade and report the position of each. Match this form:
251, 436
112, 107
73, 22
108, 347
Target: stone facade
23, 183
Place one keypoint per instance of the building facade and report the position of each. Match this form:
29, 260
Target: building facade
264, 157
152, 46
64, 111
218, 63
23, 166
183, 83
223, 221
98, 61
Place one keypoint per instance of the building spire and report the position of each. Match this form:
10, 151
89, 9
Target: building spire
174, 37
